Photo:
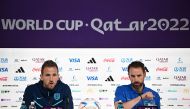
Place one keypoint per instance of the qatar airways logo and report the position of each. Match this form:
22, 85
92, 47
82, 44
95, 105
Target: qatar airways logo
38, 60
109, 60
162, 69
180, 78
92, 69
162, 60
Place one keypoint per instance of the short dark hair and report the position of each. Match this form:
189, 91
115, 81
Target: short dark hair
49, 63
136, 64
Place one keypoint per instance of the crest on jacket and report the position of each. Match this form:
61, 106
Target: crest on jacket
56, 96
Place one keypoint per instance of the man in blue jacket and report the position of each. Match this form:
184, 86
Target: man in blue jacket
49, 92
136, 94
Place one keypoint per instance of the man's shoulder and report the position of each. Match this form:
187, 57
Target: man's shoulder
63, 86
124, 87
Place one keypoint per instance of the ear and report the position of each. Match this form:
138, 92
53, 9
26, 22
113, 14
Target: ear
41, 77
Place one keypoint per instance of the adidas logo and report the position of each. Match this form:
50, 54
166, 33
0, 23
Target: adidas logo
91, 61
20, 70
109, 79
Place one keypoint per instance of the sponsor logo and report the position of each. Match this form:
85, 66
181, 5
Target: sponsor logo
162, 60
5, 99
74, 60
165, 78
3, 69
20, 60
158, 78
125, 78
177, 85
186, 91
20, 78
163, 69
110, 78
126, 60
109, 69
36, 69
172, 98
179, 60
185, 98
91, 61
38, 60
103, 90
94, 85
60, 69
10, 85
74, 90
92, 78
4, 91
3, 78
73, 84
156, 84
73, 69
35, 78
19, 91
125, 69
109, 60
92, 69
101, 98
74, 79
180, 69
20, 70
3, 60
159, 91
180, 78
172, 90
148, 78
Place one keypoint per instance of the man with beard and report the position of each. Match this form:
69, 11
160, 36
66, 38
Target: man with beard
136, 94
49, 92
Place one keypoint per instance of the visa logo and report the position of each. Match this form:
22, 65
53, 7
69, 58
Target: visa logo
3, 60
74, 60
3, 69
125, 69
92, 78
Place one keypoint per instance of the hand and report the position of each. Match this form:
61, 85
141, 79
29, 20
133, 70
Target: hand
147, 95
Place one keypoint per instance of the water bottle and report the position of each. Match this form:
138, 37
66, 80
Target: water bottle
23, 105
32, 106
120, 105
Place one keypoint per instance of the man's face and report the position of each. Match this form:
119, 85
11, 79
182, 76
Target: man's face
49, 77
136, 77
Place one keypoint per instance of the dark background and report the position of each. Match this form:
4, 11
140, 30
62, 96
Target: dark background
86, 10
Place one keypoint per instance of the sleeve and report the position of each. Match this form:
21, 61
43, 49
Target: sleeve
70, 99
27, 97
158, 100
119, 94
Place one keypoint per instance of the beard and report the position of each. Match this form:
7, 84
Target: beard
137, 86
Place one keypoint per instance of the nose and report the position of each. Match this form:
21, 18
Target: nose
51, 78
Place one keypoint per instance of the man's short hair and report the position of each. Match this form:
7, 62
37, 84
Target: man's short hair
49, 63
136, 64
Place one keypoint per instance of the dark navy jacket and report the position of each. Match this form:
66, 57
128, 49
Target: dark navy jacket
60, 96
